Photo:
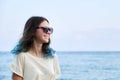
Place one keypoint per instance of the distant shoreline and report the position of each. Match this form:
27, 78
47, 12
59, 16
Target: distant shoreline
89, 51
76, 51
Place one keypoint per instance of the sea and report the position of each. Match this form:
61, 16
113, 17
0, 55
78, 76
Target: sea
77, 65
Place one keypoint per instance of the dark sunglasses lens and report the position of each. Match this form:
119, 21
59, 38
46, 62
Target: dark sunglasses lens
46, 30
50, 30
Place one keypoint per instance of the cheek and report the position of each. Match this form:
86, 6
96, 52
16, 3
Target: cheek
38, 33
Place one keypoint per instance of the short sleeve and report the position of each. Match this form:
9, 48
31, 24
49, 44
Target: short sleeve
56, 67
17, 65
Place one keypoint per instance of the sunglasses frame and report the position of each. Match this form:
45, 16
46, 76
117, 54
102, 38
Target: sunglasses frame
46, 29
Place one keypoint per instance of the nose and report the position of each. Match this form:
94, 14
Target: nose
48, 32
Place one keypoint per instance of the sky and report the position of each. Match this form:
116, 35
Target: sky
79, 25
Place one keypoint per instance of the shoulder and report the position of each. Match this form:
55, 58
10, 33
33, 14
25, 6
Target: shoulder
18, 59
20, 56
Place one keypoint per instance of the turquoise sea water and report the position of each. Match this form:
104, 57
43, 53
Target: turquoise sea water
77, 65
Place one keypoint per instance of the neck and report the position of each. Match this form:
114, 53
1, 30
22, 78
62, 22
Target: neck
36, 49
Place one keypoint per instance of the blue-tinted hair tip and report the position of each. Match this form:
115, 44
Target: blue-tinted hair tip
16, 49
49, 54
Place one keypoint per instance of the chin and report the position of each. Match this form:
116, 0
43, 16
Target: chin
45, 41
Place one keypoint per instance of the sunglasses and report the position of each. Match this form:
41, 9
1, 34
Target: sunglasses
46, 29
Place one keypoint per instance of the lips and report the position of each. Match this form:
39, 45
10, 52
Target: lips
47, 37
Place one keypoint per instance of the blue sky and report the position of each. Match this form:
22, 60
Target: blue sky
79, 25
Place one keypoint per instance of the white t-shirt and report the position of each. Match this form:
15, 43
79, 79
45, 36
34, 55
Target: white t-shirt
34, 68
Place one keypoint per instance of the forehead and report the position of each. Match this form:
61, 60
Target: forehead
44, 23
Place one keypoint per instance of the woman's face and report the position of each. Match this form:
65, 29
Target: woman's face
40, 35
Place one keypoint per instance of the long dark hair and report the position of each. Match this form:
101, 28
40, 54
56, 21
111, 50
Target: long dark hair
26, 41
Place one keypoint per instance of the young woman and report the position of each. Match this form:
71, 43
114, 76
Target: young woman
34, 59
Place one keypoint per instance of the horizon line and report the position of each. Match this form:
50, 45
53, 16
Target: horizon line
79, 51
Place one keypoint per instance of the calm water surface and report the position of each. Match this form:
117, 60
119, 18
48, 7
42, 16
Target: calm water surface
77, 65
